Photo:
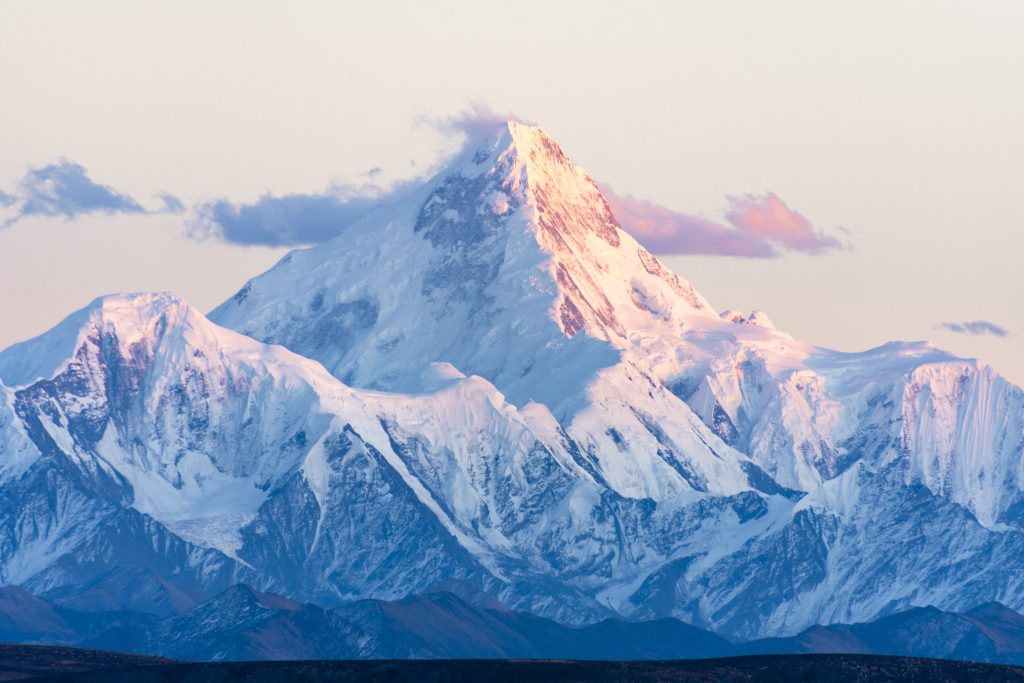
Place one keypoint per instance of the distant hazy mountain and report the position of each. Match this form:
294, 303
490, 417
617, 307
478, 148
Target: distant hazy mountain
243, 624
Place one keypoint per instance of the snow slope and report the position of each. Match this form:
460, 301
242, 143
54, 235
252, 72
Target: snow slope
511, 266
261, 457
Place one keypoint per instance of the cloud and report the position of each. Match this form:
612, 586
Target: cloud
975, 327
754, 227
171, 203
288, 220
65, 189
664, 231
771, 218
476, 121
312, 218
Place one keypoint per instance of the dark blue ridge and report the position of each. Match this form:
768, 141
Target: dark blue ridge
242, 623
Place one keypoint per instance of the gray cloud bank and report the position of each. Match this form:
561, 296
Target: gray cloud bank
65, 189
975, 327
288, 220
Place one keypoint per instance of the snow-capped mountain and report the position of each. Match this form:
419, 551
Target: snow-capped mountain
489, 386
509, 266
265, 468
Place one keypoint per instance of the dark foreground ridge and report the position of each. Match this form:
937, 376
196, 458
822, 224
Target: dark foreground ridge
39, 663
44, 662
244, 625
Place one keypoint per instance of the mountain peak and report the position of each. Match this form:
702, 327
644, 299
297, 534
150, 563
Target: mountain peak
512, 241
525, 159
502, 132
535, 142
127, 323
521, 157
131, 314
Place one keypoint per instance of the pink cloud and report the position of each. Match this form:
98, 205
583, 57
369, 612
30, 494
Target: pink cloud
754, 227
664, 231
771, 218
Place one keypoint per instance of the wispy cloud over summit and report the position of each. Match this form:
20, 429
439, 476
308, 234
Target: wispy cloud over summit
755, 226
477, 120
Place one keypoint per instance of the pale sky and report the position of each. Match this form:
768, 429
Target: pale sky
902, 122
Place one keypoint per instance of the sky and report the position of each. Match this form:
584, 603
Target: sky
853, 169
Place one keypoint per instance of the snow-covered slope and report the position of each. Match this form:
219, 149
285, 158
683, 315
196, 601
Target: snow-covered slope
276, 473
511, 242
490, 387
806, 414
509, 265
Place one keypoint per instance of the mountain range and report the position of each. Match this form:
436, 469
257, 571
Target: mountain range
487, 389
241, 624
